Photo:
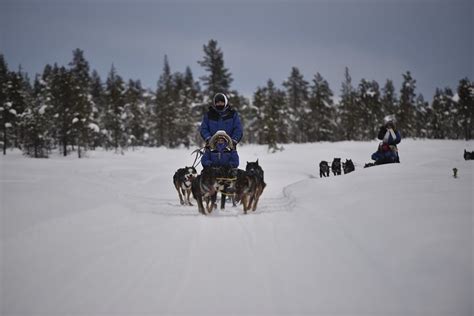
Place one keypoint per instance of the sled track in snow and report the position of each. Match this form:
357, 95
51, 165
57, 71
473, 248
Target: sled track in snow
171, 207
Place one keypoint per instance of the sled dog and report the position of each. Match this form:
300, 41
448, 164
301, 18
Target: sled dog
348, 166
182, 180
336, 166
323, 169
468, 155
204, 188
249, 186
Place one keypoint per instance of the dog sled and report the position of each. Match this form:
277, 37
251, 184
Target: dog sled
211, 182
226, 176
244, 186
240, 186
222, 181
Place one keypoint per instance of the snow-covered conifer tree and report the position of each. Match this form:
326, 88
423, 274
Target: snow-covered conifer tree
466, 107
135, 108
368, 110
406, 113
321, 111
115, 115
346, 121
218, 78
81, 101
297, 106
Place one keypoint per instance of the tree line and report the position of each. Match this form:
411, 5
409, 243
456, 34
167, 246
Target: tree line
71, 109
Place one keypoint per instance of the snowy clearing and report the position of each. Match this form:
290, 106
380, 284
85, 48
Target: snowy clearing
106, 235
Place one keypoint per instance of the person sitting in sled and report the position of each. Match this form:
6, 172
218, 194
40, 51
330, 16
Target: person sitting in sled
220, 152
221, 117
390, 137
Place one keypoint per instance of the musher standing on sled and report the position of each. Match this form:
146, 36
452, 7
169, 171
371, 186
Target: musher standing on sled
222, 131
221, 117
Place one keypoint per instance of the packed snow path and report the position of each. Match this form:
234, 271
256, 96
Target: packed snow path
106, 235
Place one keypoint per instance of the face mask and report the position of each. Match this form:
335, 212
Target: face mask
221, 146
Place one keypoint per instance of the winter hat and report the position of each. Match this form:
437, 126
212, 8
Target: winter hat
220, 97
389, 119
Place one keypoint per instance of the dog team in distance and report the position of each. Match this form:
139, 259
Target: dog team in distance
336, 166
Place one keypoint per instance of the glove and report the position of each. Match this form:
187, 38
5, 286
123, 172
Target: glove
234, 142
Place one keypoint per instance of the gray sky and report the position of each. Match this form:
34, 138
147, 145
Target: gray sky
260, 39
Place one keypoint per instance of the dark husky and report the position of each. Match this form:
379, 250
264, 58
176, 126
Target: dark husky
336, 166
256, 169
348, 166
468, 155
226, 178
204, 188
323, 169
182, 180
249, 186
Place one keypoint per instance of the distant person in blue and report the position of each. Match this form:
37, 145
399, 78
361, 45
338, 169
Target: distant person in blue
220, 153
221, 117
390, 137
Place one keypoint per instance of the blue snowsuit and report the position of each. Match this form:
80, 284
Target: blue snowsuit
227, 120
221, 156
387, 151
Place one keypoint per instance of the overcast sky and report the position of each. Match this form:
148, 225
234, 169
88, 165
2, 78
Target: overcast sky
260, 39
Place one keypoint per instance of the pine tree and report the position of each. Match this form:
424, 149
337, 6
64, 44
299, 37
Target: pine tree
297, 102
99, 110
256, 118
62, 94
249, 115
422, 117
274, 130
369, 110
179, 131
466, 108
46, 101
439, 119
452, 125
218, 78
389, 100
36, 121
135, 113
5, 105
321, 111
188, 99
193, 106
165, 115
149, 98
406, 114
18, 99
347, 123
82, 101
115, 115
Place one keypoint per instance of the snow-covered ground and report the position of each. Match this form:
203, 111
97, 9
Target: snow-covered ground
106, 236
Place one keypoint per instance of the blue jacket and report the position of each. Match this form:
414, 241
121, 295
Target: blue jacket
387, 151
222, 156
227, 121
387, 156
